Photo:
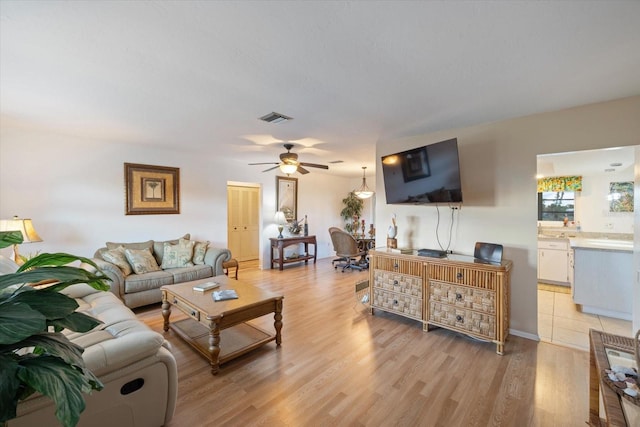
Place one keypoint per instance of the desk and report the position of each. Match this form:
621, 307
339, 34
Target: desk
280, 244
364, 244
617, 412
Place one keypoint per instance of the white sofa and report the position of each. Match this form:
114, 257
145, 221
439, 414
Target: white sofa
133, 362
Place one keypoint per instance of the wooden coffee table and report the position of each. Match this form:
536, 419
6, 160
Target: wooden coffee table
218, 330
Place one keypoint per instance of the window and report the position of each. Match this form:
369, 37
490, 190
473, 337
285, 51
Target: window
554, 205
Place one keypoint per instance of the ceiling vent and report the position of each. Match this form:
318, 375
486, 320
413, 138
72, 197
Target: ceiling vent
275, 118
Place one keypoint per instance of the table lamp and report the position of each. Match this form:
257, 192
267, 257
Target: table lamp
23, 225
280, 220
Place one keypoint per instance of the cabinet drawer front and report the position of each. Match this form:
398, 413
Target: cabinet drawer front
185, 308
463, 296
399, 303
484, 279
562, 245
398, 264
462, 319
396, 282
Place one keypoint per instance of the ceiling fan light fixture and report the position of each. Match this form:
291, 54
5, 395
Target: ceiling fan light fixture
288, 168
363, 192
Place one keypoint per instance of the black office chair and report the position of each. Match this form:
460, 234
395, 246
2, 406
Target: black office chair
346, 246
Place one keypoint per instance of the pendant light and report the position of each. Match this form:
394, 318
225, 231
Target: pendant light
363, 192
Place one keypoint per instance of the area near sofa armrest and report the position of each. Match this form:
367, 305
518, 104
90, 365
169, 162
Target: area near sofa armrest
215, 257
114, 273
112, 354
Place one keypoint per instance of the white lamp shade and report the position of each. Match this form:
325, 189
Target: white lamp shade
280, 218
288, 168
23, 225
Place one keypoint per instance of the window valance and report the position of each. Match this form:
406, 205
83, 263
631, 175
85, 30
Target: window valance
560, 183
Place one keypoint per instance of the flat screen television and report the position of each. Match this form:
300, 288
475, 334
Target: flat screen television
429, 174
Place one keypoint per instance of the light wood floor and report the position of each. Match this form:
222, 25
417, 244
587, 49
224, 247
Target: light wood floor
340, 366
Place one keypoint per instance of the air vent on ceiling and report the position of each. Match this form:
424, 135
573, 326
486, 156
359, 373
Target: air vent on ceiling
275, 118
335, 162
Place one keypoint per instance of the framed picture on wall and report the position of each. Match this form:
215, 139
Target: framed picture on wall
151, 189
621, 196
287, 197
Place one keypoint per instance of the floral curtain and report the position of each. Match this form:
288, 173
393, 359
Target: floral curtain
560, 183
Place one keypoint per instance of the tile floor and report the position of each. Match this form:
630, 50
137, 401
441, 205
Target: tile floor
560, 322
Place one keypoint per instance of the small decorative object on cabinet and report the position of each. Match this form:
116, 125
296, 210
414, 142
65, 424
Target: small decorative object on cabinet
455, 292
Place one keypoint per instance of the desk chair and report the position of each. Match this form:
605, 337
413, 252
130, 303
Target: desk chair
346, 247
339, 259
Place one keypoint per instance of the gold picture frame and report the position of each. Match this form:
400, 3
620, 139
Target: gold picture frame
287, 197
151, 189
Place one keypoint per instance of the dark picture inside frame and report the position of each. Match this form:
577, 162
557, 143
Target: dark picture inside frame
415, 165
151, 189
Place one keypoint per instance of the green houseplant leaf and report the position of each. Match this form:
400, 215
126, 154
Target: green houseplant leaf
18, 321
9, 238
32, 358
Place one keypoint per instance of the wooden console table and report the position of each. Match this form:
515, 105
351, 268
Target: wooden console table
280, 244
617, 412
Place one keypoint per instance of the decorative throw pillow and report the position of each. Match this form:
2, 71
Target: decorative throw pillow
179, 255
138, 245
158, 247
199, 250
141, 260
118, 257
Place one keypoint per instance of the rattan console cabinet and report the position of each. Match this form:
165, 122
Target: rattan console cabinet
458, 292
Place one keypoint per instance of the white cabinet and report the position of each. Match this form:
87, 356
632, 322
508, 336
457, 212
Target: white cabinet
553, 261
604, 282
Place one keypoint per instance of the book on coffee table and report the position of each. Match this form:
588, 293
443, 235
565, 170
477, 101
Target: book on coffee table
206, 286
225, 295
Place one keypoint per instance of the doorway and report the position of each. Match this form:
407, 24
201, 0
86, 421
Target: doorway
560, 320
243, 221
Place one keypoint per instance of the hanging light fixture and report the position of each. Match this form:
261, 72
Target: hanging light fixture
363, 192
288, 168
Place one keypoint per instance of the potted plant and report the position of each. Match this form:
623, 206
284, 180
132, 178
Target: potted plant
34, 355
352, 210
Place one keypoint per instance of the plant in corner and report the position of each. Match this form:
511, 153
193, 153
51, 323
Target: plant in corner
34, 355
352, 208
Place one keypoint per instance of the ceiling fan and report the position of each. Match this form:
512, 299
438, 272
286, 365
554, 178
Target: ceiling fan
289, 163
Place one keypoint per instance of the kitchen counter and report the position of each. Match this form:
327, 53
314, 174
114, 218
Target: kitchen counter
603, 276
602, 244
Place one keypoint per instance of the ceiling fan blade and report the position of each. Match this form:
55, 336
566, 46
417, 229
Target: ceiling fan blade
270, 169
265, 163
302, 170
314, 165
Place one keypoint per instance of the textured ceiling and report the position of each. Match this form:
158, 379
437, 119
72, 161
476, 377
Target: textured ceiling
350, 73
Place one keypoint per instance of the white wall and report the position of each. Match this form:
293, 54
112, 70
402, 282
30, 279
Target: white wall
592, 205
73, 189
498, 163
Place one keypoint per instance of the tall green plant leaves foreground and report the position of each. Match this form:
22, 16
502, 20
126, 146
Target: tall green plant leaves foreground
34, 355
